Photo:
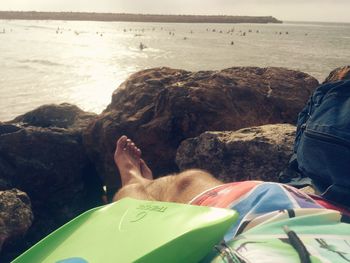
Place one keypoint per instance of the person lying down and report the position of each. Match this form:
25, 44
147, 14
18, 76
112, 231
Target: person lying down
277, 223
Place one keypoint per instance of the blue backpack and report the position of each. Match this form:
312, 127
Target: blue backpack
322, 144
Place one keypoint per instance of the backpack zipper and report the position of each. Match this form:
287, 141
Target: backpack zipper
326, 137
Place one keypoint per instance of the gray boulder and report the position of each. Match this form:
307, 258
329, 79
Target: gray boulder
256, 153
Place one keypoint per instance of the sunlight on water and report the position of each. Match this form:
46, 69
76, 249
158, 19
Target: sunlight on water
84, 62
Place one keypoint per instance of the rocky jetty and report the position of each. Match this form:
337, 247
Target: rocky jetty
84, 16
159, 108
255, 153
41, 153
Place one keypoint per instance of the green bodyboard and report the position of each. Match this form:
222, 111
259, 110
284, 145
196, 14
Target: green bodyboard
135, 231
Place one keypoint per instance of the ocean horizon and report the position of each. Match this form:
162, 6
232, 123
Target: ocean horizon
83, 62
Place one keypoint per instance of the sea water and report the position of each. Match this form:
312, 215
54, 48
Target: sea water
83, 62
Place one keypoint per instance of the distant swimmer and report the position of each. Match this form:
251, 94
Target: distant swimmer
142, 46
185, 38
232, 43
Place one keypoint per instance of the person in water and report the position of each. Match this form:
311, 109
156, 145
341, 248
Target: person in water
142, 46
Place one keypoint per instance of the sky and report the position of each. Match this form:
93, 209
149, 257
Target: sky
286, 10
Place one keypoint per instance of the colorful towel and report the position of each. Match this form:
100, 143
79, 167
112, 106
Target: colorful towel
277, 223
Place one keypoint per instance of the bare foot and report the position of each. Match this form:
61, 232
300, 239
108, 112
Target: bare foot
128, 160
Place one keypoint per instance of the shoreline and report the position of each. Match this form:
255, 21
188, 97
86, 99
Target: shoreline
122, 17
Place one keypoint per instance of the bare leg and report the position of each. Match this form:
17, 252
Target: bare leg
128, 160
137, 179
182, 187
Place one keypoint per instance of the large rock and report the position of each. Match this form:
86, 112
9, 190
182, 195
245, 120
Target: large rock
65, 116
256, 153
158, 108
15, 219
341, 73
41, 153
